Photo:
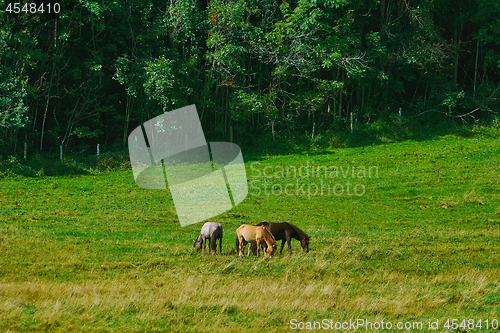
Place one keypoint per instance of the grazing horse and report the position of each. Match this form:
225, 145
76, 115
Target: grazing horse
286, 231
213, 232
255, 235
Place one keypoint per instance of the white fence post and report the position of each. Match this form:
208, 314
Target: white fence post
352, 123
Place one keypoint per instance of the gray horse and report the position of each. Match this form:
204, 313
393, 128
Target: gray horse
213, 232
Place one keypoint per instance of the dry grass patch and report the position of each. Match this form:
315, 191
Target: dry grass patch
173, 300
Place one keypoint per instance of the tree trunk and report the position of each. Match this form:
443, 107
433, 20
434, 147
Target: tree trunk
457, 50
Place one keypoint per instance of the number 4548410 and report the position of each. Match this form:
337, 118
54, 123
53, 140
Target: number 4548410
471, 324
33, 8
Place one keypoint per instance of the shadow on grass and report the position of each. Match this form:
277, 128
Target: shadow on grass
377, 133
50, 164
46, 165
326, 142
36, 167
57, 168
54, 167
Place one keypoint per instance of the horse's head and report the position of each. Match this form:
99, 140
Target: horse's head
270, 250
270, 241
197, 245
305, 244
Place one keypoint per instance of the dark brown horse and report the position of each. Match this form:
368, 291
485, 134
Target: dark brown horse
285, 231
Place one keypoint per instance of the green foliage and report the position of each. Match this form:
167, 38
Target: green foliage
13, 92
82, 132
12, 166
267, 68
452, 98
160, 81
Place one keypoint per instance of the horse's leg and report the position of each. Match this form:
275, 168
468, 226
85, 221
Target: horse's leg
263, 246
240, 246
252, 248
258, 247
220, 246
213, 245
282, 245
204, 244
289, 241
244, 246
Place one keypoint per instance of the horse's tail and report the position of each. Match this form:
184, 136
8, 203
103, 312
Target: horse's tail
237, 244
253, 248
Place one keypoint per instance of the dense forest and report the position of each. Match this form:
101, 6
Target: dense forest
88, 72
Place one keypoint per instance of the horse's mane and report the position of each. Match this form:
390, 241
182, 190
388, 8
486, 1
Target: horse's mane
268, 235
298, 230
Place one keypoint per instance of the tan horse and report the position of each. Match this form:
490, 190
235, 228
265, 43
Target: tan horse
255, 235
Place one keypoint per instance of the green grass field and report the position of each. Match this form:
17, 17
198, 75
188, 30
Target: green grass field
413, 237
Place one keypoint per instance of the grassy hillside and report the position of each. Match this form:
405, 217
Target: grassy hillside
413, 236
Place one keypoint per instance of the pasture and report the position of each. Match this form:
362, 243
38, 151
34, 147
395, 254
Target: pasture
417, 239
